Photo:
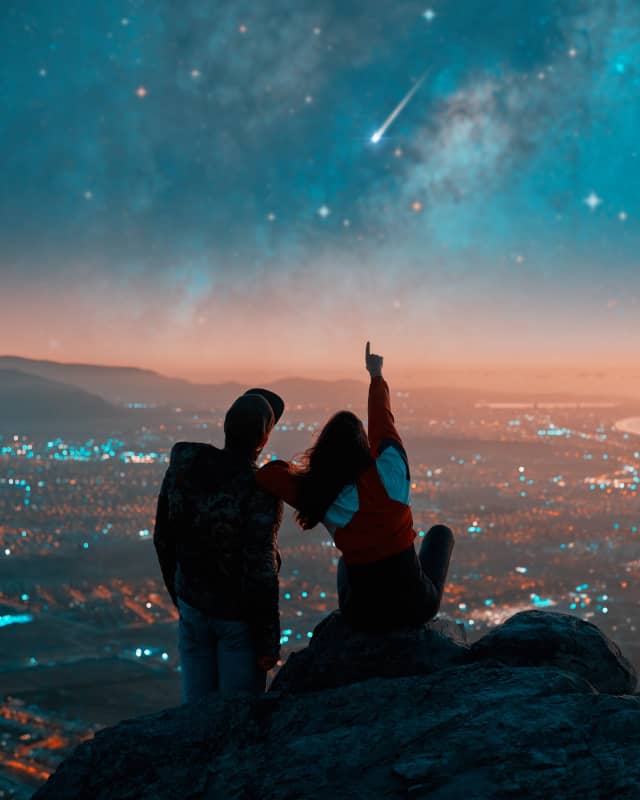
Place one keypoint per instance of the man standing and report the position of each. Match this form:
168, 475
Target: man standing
216, 539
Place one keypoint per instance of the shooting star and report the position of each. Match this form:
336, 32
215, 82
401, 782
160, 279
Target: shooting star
382, 130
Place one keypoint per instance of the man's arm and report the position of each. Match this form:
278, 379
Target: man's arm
261, 564
164, 541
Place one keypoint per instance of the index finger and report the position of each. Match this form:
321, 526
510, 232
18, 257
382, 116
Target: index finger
368, 349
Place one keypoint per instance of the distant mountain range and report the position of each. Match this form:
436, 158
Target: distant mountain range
103, 391
120, 385
30, 402
130, 385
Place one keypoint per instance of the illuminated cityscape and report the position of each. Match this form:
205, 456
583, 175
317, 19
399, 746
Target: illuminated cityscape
543, 498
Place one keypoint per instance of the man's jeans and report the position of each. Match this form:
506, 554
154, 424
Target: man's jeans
216, 655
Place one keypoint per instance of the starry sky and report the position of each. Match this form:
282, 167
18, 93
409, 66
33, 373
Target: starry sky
193, 187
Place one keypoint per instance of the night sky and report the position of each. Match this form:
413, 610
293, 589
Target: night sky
193, 186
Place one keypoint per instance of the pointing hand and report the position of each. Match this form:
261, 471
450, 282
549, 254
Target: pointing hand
373, 362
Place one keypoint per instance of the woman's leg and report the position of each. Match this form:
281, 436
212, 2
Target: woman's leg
197, 647
435, 554
238, 668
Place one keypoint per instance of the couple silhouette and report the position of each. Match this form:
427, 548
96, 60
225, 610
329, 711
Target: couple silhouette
216, 534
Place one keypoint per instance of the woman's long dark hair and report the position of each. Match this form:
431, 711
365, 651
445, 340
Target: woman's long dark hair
340, 453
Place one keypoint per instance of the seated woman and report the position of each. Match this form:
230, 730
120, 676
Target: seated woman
359, 488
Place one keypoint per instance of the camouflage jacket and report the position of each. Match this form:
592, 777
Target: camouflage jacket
216, 539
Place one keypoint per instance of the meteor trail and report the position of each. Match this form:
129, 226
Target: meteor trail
381, 130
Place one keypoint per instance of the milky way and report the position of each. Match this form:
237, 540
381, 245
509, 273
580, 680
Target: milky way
167, 165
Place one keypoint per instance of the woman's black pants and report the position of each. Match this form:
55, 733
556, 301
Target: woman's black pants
401, 589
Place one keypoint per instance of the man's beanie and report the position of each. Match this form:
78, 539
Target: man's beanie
251, 418
274, 400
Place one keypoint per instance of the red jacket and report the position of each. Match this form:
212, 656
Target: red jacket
371, 519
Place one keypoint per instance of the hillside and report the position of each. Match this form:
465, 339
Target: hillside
31, 403
120, 385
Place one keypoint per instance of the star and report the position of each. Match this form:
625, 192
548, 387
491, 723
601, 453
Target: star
623, 216
42, 72
324, 211
242, 28
429, 15
195, 73
124, 21
317, 31
398, 152
141, 91
573, 52
519, 258
593, 201
271, 216
346, 223
308, 99
88, 195
416, 206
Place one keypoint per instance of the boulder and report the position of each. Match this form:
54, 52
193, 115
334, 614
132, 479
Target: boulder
542, 638
337, 655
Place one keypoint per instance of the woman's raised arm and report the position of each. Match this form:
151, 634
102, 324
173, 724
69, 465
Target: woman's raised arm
381, 422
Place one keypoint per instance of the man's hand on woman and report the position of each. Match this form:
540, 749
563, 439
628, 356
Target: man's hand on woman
267, 662
373, 362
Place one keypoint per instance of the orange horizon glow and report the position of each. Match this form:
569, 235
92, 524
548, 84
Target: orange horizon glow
315, 326
583, 378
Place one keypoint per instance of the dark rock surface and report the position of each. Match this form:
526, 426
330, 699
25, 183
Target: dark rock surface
481, 730
338, 656
540, 638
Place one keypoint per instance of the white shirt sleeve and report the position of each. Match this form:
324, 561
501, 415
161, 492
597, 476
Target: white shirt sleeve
393, 473
342, 510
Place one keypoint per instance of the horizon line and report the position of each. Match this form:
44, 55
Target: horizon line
497, 368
